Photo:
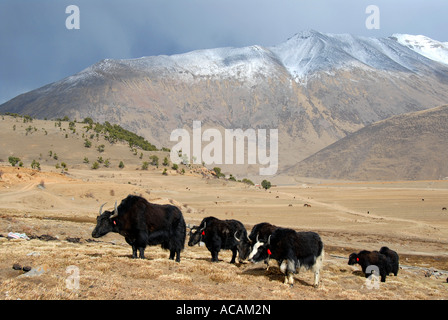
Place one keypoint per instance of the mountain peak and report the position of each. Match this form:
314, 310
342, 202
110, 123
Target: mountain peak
305, 34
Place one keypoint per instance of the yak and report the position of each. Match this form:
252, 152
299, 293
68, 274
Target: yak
143, 223
393, 259
292, 250
221, 234
261, 232
368, 259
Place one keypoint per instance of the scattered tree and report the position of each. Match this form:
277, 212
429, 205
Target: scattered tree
265, 184
248, 181
35, 165
154, 160
87, 143
218, 172
13, 160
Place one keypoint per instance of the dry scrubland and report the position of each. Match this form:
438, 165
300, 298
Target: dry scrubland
348, 216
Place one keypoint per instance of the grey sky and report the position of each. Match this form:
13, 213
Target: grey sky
37, 48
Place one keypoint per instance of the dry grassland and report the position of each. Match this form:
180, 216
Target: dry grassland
66, 209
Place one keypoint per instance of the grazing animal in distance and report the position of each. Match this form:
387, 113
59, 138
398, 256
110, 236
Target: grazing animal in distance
292, 250
371, 258
221, 234
143, 223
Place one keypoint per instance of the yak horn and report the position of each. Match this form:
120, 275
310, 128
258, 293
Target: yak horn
236, 237
269, 240
115, 211
101, 208
257, 237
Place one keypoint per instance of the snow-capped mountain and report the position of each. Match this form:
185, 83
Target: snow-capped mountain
302, 55
315, 88
431, 49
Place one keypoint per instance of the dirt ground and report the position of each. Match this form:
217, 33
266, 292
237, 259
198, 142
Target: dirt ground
58, 212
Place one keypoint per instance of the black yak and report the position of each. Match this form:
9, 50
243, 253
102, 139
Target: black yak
143, 223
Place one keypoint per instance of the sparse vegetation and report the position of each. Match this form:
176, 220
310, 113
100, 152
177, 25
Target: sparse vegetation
217, 170
87, 143
114, 133
13, 160
100, 148
35, 165
248, 181
154, 160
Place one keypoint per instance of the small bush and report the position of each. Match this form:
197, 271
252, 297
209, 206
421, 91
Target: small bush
265, 184
13, 160
35, 165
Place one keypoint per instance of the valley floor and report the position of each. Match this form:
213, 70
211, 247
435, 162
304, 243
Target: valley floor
61, 210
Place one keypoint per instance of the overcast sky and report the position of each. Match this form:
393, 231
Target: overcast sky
37, 48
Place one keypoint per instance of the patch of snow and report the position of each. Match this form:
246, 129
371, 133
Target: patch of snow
427, 47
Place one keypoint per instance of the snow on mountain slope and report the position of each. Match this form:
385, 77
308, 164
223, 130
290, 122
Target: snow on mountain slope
242, 64
432, 49
301, 56
311, 51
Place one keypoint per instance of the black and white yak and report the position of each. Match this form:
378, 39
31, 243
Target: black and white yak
292, 250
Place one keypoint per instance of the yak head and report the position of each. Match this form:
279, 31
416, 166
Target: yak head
196, 235
260, 251
353, 259
243, 245
105, 222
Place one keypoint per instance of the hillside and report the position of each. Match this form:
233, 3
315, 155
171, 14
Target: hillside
411, 146
77, 144
315, 88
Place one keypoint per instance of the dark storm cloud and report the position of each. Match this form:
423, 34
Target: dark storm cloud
36, 47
